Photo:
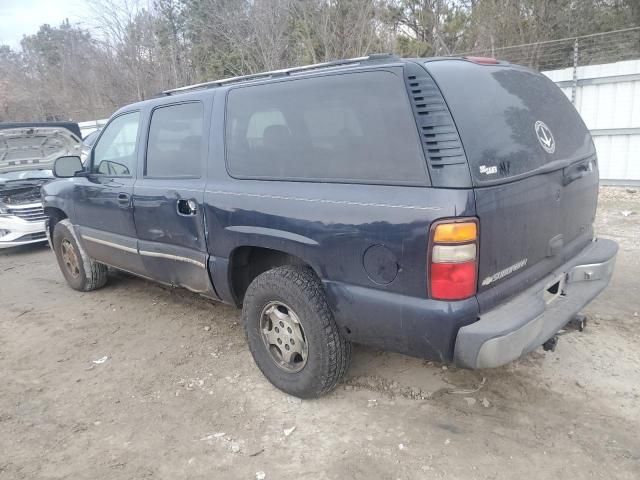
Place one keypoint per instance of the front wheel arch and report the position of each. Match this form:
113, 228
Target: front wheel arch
54, 215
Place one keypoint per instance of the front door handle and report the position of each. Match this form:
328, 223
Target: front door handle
124, 199
187, 207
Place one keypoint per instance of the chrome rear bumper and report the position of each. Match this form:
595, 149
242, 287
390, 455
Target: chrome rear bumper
525, 322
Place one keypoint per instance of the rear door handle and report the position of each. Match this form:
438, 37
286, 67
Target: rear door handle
124, 198
187, 207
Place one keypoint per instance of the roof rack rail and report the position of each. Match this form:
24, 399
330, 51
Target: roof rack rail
278, 73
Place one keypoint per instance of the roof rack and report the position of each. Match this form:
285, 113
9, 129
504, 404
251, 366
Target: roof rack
279, 73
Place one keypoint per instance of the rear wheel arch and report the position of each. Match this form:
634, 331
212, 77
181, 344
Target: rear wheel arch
248, 261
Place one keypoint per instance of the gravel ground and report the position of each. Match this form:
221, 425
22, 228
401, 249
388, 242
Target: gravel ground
139, 381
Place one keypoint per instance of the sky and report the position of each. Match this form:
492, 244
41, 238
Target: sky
24, 17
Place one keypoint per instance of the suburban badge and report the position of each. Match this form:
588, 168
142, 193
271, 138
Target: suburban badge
503, 273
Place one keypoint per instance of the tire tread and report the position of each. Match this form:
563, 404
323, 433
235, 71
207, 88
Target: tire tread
95, 273
339, 349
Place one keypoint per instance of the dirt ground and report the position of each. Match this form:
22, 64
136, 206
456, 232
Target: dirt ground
139, 381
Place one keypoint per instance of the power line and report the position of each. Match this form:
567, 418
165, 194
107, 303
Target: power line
557, 40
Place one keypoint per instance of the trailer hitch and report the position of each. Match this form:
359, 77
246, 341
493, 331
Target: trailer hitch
551, 344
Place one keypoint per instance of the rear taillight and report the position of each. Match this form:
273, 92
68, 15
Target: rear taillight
453, 259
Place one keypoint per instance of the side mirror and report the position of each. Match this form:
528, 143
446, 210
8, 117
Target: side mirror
66, 167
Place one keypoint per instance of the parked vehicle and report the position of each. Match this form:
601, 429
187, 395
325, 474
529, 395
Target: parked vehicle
441, 208
87, 144
27, 154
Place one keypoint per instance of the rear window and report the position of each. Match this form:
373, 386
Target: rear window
353, 128
511, 120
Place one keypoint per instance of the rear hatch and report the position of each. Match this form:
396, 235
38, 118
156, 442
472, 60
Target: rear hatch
36, 146
533, 170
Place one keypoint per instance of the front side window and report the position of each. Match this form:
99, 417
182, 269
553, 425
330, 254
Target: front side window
175, 141
347, 128
115, 152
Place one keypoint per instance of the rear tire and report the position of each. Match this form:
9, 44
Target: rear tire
81, 271
285, 311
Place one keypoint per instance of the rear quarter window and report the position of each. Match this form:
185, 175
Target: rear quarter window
354, 127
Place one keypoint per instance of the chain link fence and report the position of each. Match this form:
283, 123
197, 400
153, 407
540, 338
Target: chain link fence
570, 52
605, 95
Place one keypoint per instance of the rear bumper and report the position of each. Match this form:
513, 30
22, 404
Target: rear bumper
15, 231
527, 321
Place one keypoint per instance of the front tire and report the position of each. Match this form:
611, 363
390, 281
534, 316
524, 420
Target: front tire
81, 271
292, 334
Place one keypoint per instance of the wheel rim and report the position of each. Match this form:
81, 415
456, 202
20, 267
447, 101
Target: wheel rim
70, 258
284, 337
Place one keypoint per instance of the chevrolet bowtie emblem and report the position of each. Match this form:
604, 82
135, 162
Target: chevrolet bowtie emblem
545, 137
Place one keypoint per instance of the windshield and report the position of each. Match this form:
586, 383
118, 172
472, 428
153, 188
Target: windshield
25, 175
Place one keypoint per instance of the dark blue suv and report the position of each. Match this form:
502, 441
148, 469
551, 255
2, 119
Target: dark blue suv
442, 208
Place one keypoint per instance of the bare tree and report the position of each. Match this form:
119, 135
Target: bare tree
138, 48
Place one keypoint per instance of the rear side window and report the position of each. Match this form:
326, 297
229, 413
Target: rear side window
351, 128
175, 141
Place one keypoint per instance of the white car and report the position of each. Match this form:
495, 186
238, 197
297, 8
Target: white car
27, 153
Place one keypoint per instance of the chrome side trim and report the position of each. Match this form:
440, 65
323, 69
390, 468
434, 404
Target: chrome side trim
144, 252
172, 257
109, 244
